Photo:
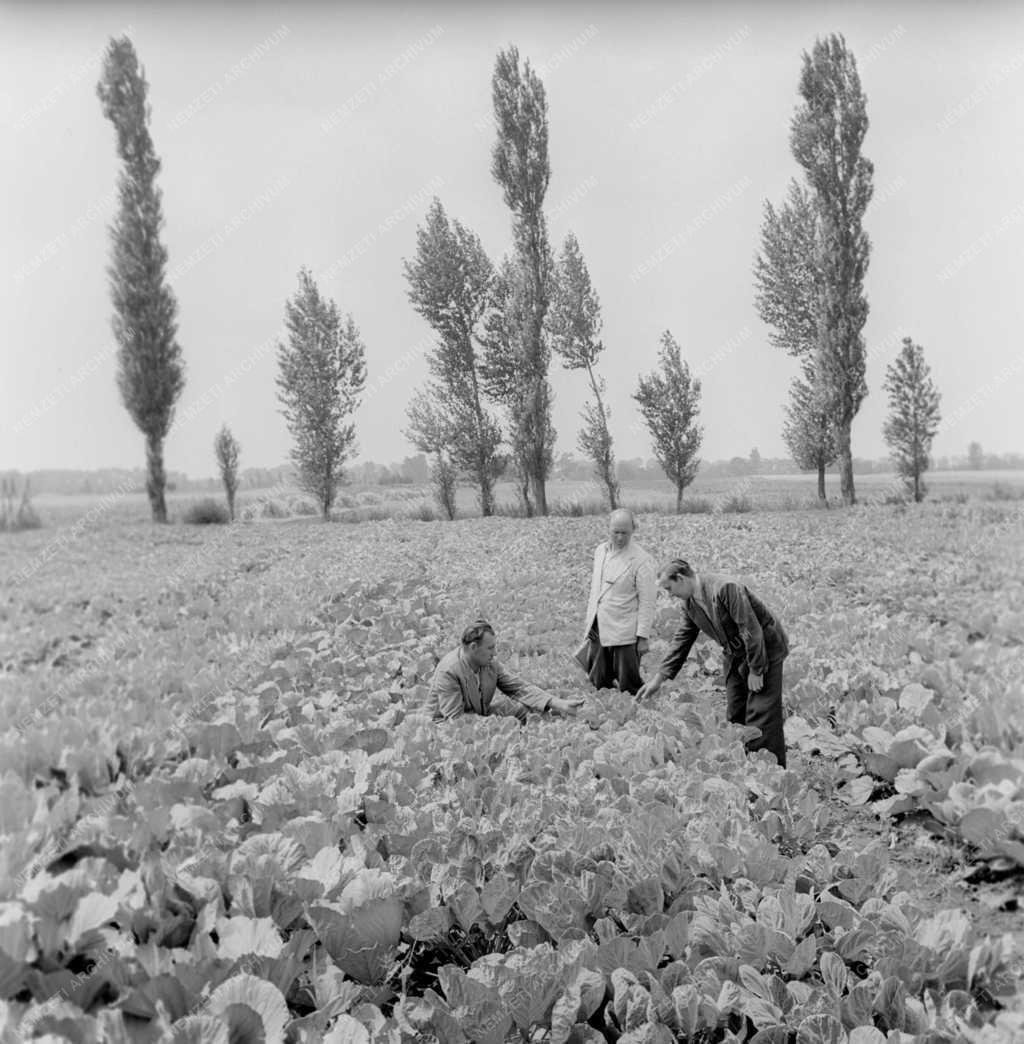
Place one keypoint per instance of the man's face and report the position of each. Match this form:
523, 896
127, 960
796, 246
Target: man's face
482, 652
680, 587
620, 529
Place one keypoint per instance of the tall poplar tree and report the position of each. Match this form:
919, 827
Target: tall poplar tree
575, 324
826, 136
150, 368
520, 165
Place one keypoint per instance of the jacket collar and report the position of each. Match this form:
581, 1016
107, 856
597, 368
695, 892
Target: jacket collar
702, 603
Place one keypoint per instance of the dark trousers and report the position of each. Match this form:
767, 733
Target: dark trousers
611, 666
762, 709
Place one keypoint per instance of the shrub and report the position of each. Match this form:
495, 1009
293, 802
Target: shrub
737, 504
205, 512
578, 508
696, 506
370, 513
510, 509
1003, 491
303, 507
423, 513
652, 507
14, 519
27, 517
274, 509
792, 502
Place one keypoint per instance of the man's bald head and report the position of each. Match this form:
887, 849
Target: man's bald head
621, 525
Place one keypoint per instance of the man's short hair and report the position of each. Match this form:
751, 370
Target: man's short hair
475, 631
676, 568
625, 511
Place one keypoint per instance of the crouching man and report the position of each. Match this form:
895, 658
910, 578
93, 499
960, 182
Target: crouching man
469, 680
754, 641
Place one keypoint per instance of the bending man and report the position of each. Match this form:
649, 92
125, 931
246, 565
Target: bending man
754, 641
469, 680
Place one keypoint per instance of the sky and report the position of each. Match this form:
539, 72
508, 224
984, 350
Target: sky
317, 134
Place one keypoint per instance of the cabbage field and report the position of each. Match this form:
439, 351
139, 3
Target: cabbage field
225, 814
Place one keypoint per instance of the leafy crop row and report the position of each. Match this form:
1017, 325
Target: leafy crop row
305, 856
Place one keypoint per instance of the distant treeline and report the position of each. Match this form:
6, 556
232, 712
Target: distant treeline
415, 470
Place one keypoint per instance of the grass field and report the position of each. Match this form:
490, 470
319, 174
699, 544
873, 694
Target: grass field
371, 503
223, 805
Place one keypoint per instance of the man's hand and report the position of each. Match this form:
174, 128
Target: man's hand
755, 681
642, 646
650, 687
561, 705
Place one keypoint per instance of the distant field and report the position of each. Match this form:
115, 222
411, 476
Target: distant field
366, 503
774, 492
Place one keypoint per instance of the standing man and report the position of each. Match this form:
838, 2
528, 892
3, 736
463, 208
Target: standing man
620, 610
754, 641
469, 680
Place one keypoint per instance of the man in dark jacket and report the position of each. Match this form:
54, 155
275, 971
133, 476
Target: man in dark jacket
469, 680
754, 641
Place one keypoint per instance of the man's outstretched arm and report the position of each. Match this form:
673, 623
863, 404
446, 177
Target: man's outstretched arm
678, 650
533, 697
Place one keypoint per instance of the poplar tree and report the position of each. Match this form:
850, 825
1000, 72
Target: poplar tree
669, 400
826, 136
913, 415
575, 323
150, 368
449, 283
787, 294
431, 433
226, 450
321, 376
786, 283
502, 376
807, 431
520, 165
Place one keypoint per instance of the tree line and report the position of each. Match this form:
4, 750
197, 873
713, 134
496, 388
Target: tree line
487, 404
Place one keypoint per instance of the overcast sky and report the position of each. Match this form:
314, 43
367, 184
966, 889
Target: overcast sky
316, 134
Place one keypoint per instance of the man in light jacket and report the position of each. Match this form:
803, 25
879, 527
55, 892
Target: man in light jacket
620, 610
469, 680
753, 639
